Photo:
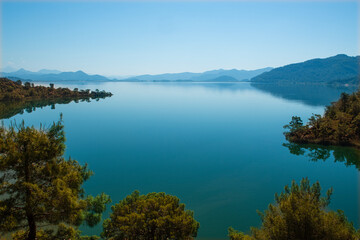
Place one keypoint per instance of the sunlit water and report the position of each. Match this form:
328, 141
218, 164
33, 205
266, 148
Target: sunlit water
218, 147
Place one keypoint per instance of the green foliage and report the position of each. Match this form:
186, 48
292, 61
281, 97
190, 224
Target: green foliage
96, 206
61, 231
301, 213
340, 124
295, 124
39, 188
236, 235
14, 91
151, 216
27, 85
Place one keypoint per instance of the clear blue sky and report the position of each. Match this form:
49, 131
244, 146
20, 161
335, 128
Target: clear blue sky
127, 38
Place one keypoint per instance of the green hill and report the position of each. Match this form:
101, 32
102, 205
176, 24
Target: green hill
339, 69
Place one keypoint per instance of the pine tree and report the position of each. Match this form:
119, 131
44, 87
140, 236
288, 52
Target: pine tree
38, 187
300, 213
154, 216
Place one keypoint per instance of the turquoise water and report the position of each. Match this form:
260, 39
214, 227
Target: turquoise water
218, 147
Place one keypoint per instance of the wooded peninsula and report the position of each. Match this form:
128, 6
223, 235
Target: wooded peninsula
10, 90
15, 97
340, 124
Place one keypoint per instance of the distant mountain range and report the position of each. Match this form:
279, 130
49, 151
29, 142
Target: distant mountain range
340, 69
208, 76
53, 76
337, 70
220, 75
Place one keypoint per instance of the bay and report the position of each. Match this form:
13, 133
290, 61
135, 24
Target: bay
216, 146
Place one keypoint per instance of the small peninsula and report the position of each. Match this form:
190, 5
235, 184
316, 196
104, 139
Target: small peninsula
340, 124
10, 90
15, 97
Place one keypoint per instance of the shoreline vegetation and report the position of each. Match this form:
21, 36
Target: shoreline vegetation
15, 91
15, 97
339, 126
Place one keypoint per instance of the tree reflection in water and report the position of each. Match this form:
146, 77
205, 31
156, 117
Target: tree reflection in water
12, 108
347, 155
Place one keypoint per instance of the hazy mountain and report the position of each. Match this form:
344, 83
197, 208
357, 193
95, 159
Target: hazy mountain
223, 78
22, 71
70, 76
238, 75
25, 73
53, 75
47, 71
220, 75
339, 68
165, 76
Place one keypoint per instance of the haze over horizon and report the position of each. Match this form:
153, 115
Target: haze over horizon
124, 38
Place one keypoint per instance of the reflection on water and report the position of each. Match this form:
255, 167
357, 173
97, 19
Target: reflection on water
347, 155
9, 109
314, 95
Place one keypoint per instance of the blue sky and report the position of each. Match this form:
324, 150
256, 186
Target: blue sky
129, 38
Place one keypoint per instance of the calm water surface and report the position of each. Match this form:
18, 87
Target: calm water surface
218, 147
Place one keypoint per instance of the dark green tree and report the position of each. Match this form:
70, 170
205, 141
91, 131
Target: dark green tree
27, 85
152, 216
39, 187
236, 235
300, 213
62, 232
295, 124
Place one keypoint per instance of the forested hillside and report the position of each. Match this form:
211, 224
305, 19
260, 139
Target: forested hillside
339, 69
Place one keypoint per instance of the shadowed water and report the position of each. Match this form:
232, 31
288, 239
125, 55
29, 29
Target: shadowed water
218, 147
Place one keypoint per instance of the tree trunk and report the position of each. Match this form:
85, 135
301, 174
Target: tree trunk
29, 213
32, 226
